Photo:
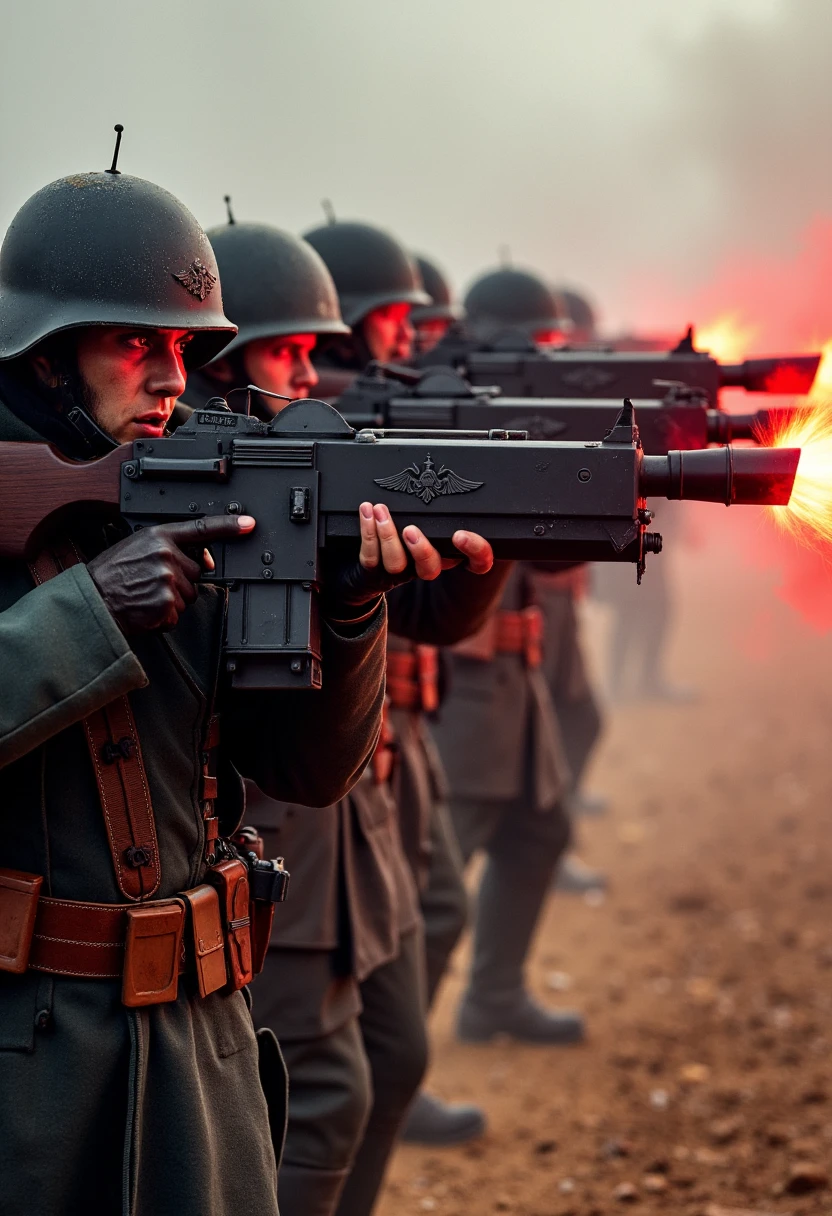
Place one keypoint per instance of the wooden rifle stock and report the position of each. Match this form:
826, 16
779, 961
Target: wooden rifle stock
38, 486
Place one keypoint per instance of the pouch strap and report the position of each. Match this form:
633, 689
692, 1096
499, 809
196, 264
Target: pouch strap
119, 769
80, 939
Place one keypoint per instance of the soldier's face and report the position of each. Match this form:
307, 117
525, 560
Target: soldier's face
389, 333
282, 365
430, 333
132, 377
548, 337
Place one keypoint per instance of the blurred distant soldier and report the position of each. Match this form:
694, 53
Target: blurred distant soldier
642, 618
509, 300
580, 316
432, 321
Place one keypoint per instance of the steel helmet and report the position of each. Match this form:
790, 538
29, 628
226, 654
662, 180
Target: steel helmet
108, 249
577, 308
511, 299
273, 283
441, 307
369, 266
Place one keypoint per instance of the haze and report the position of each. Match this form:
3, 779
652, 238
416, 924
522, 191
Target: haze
610, 143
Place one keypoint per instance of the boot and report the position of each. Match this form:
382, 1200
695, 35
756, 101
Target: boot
521, 1018
590, 805
576, 877
432, 1121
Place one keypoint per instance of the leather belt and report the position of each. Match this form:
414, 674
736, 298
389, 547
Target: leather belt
413, 679
521, 633
83, 939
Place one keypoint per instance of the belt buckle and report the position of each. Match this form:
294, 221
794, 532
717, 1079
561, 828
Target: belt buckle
152, 953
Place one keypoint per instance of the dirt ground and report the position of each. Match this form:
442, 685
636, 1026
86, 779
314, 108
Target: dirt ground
705, 974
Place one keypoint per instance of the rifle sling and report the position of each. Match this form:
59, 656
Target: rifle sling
119, 769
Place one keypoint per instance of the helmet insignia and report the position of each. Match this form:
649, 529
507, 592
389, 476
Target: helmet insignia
197, 279
426, 483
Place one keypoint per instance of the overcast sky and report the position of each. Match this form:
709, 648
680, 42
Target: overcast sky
613, 143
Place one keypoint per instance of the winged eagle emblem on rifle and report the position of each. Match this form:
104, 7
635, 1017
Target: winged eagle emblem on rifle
427, 483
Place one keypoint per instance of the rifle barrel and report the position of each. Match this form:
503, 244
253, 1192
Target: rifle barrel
762, 476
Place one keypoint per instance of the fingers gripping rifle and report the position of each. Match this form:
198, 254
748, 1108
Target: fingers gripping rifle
304, 475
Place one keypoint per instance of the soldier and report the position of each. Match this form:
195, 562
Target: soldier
509, 300
500, 741
432, 321
120, 1091
378, 284
580, 316
342, 985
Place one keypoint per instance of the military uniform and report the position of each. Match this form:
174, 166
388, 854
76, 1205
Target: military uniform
500, 742
158, 1109
121, 1088
343, 985
564, 667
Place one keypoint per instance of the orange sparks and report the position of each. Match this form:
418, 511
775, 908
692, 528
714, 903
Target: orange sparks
727, 338
809, 513
821, 390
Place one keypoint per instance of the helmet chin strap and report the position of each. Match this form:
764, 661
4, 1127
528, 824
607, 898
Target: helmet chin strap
71, 391
97, 441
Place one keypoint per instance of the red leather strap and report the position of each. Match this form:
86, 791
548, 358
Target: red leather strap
521, 633
413, 679
119, 769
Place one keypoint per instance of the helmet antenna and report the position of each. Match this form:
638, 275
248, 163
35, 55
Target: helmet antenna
504, 254
227, 201
329, 211
118, 128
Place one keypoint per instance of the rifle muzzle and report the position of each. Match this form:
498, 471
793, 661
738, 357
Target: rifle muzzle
764, 476
780, 374
725, 428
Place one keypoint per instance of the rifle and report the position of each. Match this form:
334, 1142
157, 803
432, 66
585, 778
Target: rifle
522, 369
394, 397
304, 475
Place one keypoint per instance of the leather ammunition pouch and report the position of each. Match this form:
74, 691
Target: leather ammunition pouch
384, 757
19, 894
144, 942
413, 679
217, 932
230, 878
505, 632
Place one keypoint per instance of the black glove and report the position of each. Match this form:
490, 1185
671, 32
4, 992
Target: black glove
350, 591
148, 579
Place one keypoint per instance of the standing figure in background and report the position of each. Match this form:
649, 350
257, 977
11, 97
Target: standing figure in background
642, 619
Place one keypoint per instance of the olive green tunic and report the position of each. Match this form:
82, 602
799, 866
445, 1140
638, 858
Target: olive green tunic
156, 1111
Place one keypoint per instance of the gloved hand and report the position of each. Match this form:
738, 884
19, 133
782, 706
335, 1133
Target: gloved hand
384, 562
148, 579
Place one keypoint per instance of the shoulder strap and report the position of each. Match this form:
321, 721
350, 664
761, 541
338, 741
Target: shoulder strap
119, 769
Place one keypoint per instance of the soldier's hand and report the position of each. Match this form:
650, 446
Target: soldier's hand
148, 579
386, 560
